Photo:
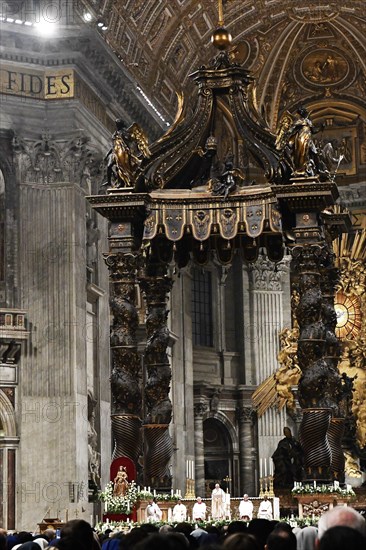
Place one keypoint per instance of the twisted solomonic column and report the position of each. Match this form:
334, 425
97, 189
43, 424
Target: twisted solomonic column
126, 370
329, 280
319, 386
158, 408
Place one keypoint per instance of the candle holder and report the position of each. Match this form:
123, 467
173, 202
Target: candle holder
190, 491
266, 486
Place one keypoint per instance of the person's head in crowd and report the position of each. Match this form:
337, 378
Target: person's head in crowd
81, 532
183, 527
149, 528
241, 541
341, 538
165, 529
132, 538
338, 516
281, 526
178, 541
50, 534
281, 539
237, 527
260, 528
306, 538
24, 536
155, 542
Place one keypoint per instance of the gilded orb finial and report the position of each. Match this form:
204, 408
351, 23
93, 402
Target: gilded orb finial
221, 37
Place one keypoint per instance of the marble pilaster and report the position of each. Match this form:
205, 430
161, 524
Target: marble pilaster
200, 409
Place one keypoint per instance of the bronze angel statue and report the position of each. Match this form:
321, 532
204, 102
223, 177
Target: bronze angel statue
130, 147
299, 149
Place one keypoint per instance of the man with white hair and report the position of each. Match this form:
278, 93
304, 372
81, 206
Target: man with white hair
246, 509
340, 516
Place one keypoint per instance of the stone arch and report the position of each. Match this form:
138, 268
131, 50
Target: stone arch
218, 451
221, 417
7, 416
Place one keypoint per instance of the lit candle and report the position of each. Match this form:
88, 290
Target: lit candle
187, 468
265, 467
154, 493
105, 507
193, 476
138, 488
260, 468
314, 484
171, 492
148, 489
91, 520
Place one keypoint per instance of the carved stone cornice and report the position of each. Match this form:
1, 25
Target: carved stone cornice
47, 161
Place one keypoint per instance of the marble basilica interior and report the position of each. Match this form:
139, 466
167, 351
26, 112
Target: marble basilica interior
69, 69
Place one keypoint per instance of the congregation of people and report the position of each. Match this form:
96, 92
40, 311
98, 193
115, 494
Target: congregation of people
341, 528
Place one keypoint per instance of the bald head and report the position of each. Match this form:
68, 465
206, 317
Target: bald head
341, 515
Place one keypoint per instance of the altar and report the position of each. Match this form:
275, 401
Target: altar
315, 504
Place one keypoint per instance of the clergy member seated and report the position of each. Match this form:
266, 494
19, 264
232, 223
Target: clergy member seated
246, 509
199, 510
179, 512
153, 512
265, 509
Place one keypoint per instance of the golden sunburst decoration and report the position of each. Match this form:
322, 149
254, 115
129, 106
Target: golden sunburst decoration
349, 317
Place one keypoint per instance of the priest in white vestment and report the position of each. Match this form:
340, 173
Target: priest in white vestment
199, 510
218, 502
179, 512
265, 509
246, 509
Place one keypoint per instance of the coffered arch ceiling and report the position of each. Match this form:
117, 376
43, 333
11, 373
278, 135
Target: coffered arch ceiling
297, 51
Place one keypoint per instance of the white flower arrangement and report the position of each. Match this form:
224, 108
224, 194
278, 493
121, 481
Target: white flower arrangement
119, 504
314, 488
124, 504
